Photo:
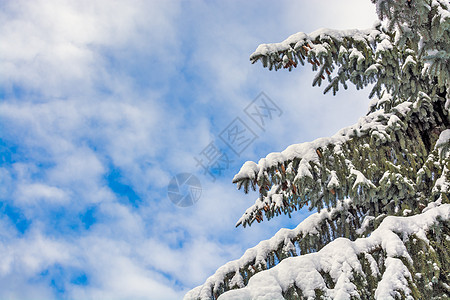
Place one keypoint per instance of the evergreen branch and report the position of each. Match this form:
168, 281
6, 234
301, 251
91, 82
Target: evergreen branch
339, 55
404, 62
360, 57
309, 236
319, 173
404, 258
423, 26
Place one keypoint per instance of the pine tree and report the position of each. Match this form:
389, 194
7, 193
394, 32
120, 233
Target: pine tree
381, 186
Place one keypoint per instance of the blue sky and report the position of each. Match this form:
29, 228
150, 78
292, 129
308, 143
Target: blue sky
103, 102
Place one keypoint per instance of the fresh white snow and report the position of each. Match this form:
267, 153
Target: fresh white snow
339, 259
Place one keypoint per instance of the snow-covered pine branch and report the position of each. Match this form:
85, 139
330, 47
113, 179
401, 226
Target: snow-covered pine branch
338, 55
321, 172
309, 236
380, 266
404, 55
423, 26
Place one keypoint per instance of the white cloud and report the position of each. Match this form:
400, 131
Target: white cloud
113, 269
29, 194
344, 14
116, 273
85, 108
56, 47
24, 259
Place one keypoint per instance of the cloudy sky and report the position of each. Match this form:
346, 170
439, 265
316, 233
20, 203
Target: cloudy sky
103, 102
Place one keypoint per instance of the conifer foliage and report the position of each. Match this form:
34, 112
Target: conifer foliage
381, 186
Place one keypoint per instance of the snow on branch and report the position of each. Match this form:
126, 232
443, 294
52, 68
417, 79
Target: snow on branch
379, 265
308, 170
285, 243
442, 184
425, 23
397, 55
338, 55
302, 40
398, 12
376, 121
320, 172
